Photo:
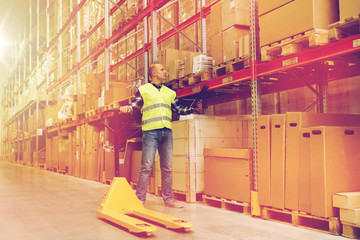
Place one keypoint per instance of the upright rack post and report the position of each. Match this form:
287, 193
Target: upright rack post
255, 99
154, 36
146, 40
203, 27
107, 56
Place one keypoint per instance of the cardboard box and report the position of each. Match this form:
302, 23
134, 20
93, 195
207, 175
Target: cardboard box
349, 8
348, 200
167, 55
217, 49
350, 216
230, 40
188, 61
227, 173
267, 6
296, 17
295, 122
304, 193
174, 68
117, 91
135, 165
235, 12
278, 161
244, 46
55, 153
202, 62
215, 19
334, 166
264, 159
64, 153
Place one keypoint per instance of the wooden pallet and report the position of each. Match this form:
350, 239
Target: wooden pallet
62, 172
227, 204
309, 39
90, 113
295, 218
231, 66
180, 195
350, 230
110, 106
190, 79
345, 28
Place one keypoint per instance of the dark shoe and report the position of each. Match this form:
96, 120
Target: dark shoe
173, 204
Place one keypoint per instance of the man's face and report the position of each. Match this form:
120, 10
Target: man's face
159, 72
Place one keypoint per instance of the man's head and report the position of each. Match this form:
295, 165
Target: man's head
157, 72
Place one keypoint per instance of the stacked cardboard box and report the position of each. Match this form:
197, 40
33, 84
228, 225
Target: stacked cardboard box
293, 167
229, 25
179, 63
117, 91
191, 136
348, 9
349, 204
227, 173
286, 18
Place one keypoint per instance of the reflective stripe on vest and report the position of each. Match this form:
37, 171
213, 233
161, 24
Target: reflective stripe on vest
157, 119
156, 106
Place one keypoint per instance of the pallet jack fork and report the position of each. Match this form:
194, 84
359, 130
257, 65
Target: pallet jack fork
121, 201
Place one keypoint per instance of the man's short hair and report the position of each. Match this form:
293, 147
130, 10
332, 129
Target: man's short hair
152, 67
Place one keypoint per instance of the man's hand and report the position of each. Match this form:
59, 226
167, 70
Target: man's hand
125, 109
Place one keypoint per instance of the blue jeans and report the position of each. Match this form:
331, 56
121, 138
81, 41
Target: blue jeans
152, 140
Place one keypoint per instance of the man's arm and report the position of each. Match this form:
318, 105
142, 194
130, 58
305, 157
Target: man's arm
180, 109
136, 102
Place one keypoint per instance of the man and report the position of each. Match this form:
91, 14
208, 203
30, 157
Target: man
156, 102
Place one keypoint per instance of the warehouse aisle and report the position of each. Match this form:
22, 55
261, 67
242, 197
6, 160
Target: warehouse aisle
42, 205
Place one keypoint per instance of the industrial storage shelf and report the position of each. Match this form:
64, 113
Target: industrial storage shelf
284, 65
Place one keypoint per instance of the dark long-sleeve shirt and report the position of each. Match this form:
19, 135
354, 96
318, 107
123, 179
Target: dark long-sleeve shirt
137, 102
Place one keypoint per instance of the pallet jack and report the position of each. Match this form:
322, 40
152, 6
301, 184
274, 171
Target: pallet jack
121, 203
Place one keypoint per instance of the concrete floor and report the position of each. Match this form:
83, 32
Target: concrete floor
43, 205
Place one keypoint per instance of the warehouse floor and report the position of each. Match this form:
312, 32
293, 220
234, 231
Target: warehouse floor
38, 204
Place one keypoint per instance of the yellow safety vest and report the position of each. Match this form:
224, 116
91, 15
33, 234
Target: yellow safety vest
156, 111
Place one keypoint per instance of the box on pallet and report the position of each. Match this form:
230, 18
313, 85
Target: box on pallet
217, 52
332, 170
117, 91
295, 122
348, 200
192, 134
349, 8
226, 173
176, 69
277, 165
266, 6
230, 41
304, 173
215, 19
235, 12
202, 62
296, 17
350, 216
264, 159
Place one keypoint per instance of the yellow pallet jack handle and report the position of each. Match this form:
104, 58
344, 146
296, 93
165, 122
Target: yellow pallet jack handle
121, 201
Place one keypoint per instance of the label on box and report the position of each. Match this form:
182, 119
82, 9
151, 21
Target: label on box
39, 132
290, 61
195, 89
356, 43
121, 160
227, 79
